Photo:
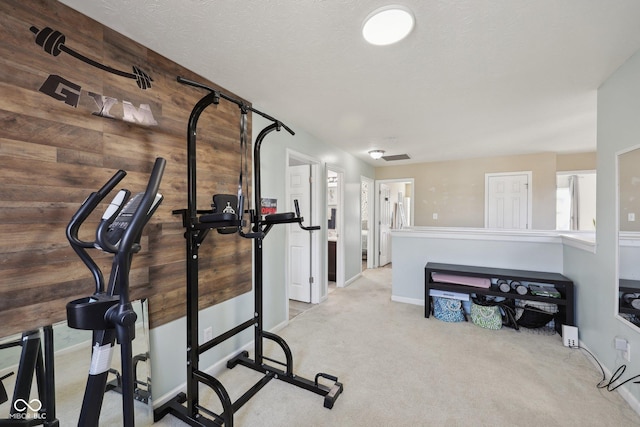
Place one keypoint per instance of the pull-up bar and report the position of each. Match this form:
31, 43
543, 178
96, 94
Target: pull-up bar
243, 106
196, 230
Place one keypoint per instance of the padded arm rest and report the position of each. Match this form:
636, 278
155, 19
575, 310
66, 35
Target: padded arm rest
281, 218
218, 217
224, 222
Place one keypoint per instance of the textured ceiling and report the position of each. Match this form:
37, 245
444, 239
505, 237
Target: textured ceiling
475, 78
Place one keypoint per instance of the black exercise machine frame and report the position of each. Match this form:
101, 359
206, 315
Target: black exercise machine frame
197, 228
108, 313
33, 360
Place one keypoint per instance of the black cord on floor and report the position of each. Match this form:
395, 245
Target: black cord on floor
615, 377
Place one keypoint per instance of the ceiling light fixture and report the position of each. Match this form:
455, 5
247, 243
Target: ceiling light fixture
388, 25
376, 154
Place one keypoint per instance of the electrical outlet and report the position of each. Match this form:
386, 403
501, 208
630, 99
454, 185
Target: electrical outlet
627, 353
624, 347
207, 334
621, 344
570, 336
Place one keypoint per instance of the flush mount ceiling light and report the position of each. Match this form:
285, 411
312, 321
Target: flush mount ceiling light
388, 25
376, 154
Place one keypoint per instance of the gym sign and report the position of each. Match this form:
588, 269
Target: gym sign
61, 89
21, 406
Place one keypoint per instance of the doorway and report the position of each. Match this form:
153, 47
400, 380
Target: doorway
384, 255
367, 221
335, 227
576, 200
394, 210
305, 278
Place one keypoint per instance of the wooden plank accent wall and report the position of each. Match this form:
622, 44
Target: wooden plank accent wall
53, 154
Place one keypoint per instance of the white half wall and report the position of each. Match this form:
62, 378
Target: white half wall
517, 249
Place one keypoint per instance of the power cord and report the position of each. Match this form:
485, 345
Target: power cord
615, 377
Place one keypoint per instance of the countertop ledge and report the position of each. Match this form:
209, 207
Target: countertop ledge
582, 240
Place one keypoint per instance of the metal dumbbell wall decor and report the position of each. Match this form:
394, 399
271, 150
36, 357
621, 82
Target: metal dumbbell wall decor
53, 42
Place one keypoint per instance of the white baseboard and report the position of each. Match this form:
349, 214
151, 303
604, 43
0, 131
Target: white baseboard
630, 398
406, 300
624, 393
353, 279
213, 370
278, 327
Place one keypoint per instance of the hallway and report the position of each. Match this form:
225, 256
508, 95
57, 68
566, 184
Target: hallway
296, 308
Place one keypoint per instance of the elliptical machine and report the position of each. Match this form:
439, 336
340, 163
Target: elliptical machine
108, 312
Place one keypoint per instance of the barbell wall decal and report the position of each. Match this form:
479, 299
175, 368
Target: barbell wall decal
53, 42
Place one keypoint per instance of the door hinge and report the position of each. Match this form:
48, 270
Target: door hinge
311, 280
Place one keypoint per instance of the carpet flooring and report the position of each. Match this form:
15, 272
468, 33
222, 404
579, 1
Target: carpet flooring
400, 369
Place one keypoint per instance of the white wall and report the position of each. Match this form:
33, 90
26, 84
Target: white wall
412, 249
618, 129
274, 157
168, 342
595, 274
629, 256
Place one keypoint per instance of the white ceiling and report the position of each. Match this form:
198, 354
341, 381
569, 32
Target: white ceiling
475, 78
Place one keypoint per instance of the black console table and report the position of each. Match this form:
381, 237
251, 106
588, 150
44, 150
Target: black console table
566, 302
628, 286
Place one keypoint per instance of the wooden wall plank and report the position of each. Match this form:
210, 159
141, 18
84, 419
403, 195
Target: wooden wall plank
57, 149
27, 150
22, 127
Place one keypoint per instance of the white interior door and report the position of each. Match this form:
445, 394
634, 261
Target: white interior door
508, 200
300, 254
385, 224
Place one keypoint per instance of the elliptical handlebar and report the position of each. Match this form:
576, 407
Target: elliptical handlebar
87, 207
126, 241
129, 242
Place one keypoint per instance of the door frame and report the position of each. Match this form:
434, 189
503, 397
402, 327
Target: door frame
529, 175
319, 285
376, 231
371, 201
340, 259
